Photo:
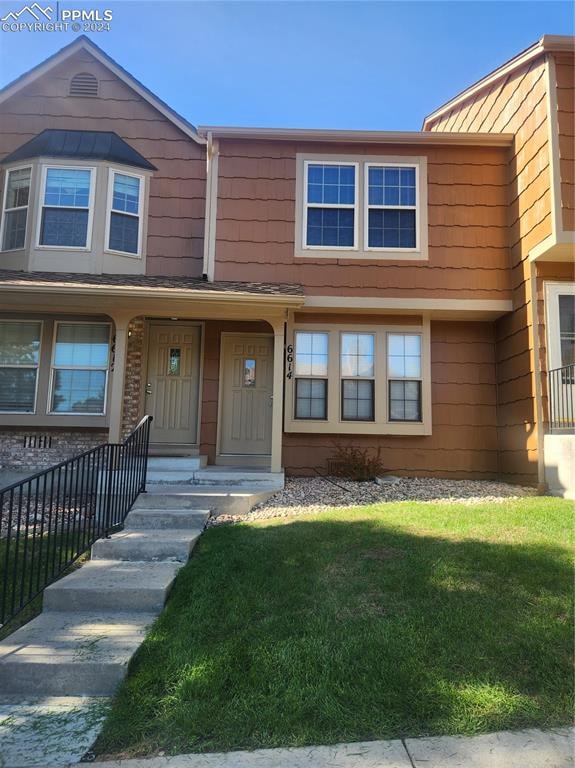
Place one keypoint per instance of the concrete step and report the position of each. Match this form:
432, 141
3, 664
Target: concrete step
215, 498
71, 654
239, 478
160, 517
149, 544
110, 585
179, 464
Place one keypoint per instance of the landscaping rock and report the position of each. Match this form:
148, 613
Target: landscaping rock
317, 494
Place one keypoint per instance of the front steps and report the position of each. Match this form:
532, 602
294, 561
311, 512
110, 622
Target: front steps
193, 470
95, 619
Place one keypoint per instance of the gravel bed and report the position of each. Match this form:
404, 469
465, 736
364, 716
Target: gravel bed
315, 494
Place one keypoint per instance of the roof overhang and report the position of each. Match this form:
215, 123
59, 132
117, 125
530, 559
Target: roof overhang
363, 137
437, 309
548, 43
84, 43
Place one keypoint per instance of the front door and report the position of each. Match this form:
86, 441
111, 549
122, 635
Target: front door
246, 394
561, 352
173, 382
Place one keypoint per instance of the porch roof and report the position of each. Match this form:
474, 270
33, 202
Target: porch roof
146, 285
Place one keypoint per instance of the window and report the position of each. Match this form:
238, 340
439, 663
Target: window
330, 197
80, 368
357, 376
361, 207
65, 211
16, 200
124, 213
404, 376
391, 206
311, 365
19, 359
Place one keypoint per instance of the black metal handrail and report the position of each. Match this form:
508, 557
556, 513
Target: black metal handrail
562, 397
50, 519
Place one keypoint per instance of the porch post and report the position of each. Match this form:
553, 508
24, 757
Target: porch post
116, 401
278, 396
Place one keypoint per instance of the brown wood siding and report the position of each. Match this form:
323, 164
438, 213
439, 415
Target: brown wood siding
516, 104
177, 188
464, 443
565, 76
468, 256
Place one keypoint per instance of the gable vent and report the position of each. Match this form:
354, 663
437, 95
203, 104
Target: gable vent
83, 84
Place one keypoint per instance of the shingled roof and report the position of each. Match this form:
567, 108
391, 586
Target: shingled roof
13, 278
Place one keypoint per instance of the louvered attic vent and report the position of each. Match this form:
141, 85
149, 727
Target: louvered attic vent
83, 84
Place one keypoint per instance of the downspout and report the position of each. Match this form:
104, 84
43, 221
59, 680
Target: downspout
537, 376
212, 156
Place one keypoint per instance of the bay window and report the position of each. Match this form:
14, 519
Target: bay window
124, 214
15, 209
80, 363
65, 213
19, 360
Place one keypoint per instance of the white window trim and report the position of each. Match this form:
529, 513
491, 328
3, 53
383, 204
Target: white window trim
109, 210
368, 208
416, 332
53, 368
311, 376
360, 251
552, 292
32, 367
348, 206
381, 425
343, 378
7, 173
41, 206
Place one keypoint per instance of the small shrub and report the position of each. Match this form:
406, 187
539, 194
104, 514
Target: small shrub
353, 463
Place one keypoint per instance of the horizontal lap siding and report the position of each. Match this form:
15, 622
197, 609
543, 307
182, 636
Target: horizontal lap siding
177, 188
565, 75
464, 413
467, 190
516, 104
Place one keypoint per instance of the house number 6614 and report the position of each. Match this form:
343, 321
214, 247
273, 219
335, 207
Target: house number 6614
289, 361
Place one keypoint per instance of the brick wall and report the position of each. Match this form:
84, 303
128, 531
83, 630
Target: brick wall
133, 378
36, 449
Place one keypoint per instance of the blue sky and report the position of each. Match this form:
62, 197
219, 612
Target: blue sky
370, 65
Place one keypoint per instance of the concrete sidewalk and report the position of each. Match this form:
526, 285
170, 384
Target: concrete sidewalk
506, 749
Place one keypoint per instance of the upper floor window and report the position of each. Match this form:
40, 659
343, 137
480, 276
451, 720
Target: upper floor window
370, 207
124, 217
66, 207
15, 213
330, 205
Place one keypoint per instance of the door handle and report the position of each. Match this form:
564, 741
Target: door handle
148, 389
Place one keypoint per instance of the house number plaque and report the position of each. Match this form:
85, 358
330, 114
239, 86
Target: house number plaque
289, 361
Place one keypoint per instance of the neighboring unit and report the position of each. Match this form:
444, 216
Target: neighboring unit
266, 294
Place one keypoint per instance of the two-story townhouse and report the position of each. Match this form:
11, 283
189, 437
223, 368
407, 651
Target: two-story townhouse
266, 294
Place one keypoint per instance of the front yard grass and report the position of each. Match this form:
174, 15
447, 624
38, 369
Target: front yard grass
378, 622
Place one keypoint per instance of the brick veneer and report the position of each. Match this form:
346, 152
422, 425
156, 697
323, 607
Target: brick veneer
63, 445
133, 378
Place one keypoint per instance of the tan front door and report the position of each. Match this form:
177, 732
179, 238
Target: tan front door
173, 382
246, 395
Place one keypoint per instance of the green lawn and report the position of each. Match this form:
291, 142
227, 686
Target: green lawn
379, 622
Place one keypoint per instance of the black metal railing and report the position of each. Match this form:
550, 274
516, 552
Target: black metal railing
562, 397
50, 519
